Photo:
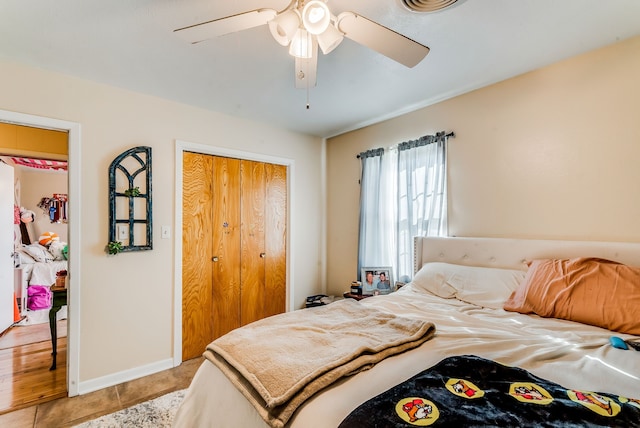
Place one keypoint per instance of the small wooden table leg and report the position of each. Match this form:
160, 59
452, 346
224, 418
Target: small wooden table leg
59, 300
54, 336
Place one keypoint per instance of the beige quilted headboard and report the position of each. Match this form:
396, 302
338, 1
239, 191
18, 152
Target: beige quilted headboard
513, 253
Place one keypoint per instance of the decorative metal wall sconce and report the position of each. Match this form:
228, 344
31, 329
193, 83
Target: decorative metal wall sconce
130, 220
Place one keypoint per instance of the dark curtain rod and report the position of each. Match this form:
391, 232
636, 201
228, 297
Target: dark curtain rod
450, 134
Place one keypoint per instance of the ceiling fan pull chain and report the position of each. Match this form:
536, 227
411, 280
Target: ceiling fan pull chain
307, 85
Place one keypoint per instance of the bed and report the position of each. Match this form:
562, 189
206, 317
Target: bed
470, 324
40, 266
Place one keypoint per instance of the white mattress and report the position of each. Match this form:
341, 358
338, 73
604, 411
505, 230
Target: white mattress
45, 273
571, 354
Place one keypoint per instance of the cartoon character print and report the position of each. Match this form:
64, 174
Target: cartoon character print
530, 393
417, 411
527, 392
464, 388
601, 405
596, 399
461, 387
631, 401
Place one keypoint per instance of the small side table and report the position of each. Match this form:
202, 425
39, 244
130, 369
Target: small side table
348, 295
59, 300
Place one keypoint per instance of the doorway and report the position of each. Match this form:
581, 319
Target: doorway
181, 148
73, 212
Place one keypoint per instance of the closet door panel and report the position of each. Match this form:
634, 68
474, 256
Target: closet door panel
252, 236
226, 245
197, 322
275, 239
234, 246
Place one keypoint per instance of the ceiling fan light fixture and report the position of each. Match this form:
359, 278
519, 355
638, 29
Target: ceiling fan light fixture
329, 39
301, 46
316, 17
308, 25
284, 26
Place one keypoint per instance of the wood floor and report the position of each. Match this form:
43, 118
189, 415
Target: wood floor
25, 358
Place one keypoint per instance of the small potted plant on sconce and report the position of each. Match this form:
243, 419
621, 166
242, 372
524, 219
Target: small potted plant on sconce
114, 247
134, 191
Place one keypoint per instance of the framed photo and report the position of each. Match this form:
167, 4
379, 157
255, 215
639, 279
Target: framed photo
376, 280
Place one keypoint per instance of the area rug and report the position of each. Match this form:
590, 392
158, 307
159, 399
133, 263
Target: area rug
156, 413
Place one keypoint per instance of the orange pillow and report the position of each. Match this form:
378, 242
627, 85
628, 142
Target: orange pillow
588, 290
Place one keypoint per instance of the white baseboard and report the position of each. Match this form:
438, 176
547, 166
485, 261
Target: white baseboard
124, 376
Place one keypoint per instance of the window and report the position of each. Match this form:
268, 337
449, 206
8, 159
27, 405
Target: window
403, 194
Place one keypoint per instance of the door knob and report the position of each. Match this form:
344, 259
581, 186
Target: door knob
263, 255
214, 258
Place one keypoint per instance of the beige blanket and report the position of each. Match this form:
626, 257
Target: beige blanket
279, 362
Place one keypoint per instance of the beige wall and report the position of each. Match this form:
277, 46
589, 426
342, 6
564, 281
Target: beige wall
35, 185
550, 154
127, 303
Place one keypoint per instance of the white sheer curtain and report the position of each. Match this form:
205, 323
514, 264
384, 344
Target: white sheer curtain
376, 239
421, 195
403, 194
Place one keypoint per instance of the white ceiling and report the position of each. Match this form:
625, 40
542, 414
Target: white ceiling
131, 44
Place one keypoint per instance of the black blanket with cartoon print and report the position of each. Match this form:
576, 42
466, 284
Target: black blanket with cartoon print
468, 391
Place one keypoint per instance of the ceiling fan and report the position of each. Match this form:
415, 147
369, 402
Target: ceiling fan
305, 25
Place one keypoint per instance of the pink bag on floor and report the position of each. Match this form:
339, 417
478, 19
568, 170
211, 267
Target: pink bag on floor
39, 297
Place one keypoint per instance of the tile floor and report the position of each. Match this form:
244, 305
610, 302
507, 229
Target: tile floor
66, 412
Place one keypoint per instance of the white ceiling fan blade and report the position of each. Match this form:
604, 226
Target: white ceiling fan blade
381, 39
306, 69
230, 24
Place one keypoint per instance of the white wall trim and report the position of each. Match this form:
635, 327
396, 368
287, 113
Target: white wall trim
184, 146
74, 279
324, 198
125, 376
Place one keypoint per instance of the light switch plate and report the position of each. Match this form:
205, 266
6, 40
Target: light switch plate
165, 232
122, 232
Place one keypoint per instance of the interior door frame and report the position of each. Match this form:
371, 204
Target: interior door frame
7, 270
73, 279
184, 146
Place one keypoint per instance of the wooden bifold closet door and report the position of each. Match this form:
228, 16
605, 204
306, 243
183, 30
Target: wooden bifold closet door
233, 248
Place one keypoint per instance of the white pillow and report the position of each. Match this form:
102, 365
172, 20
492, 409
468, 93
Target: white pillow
482, 286
25, 257
39, 253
